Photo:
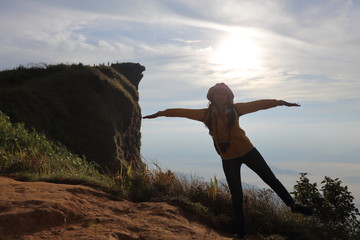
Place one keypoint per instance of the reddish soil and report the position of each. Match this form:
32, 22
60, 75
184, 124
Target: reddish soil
40, 210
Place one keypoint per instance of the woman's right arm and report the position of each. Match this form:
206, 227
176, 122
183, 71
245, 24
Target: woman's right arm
250, 107
194, 114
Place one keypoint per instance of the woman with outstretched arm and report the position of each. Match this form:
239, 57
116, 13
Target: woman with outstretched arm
234, 147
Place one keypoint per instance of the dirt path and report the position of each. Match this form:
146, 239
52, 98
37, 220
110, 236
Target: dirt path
39, 210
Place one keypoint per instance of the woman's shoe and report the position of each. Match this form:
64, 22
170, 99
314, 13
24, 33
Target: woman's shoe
297, 208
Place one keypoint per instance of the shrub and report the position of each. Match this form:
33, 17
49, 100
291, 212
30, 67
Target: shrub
335, 213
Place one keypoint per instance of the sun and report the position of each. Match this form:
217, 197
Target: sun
237, 53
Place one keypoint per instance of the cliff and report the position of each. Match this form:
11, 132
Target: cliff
94, 111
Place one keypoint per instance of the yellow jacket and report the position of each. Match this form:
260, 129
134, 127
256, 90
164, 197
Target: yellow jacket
239, 142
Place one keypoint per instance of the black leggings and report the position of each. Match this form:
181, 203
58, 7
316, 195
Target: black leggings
255, 162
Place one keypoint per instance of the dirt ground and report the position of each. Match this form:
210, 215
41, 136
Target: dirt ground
40, 210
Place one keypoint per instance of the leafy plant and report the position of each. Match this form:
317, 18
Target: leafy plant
335, 213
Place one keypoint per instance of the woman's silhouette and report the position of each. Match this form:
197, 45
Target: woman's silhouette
234, 147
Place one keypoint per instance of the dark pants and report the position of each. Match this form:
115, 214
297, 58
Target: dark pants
255, 162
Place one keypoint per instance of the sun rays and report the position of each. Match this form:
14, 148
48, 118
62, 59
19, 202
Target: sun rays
237, 54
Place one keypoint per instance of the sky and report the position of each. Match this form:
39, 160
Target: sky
307, 52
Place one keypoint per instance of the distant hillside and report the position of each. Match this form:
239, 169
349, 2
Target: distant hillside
94, 111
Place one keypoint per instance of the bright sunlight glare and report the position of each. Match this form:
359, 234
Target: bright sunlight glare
237, 54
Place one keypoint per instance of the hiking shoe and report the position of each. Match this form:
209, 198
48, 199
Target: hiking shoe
297, 208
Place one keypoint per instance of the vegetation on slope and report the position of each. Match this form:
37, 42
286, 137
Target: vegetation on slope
28, 154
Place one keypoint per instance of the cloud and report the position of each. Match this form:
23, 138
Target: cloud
186, 41
342, 170
284, 172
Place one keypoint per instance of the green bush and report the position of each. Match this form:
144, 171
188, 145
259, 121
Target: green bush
335, 213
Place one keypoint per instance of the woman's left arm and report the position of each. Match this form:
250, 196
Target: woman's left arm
249, 107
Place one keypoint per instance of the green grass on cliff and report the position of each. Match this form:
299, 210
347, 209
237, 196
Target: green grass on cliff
22, 74
29, 155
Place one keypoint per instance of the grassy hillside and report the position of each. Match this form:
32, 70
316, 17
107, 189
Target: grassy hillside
30, 155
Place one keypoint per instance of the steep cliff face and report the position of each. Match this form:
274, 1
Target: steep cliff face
94, 111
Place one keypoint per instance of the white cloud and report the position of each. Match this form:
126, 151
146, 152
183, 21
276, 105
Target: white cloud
186, 41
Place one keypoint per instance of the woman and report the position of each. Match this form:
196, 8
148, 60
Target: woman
234, 147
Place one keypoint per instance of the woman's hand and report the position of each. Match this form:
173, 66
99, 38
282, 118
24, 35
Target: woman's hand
291, 104
155, 115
